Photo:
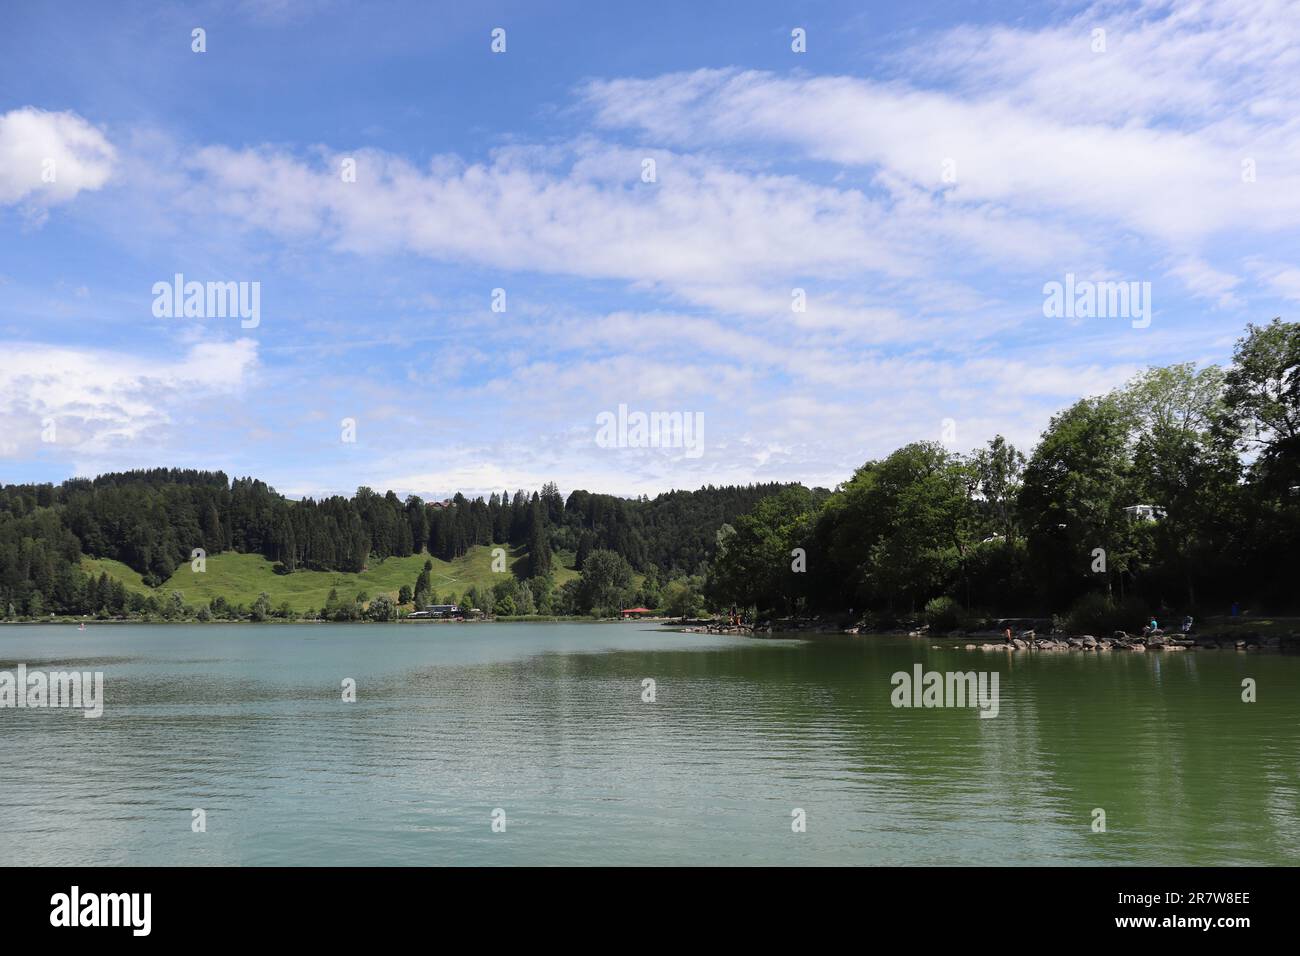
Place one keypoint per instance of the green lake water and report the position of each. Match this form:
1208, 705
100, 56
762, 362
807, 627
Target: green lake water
546, 723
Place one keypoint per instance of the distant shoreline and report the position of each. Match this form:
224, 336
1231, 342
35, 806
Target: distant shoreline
507, 619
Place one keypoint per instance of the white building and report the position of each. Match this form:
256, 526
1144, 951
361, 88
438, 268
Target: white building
1145, 512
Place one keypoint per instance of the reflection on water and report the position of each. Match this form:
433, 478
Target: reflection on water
547, 723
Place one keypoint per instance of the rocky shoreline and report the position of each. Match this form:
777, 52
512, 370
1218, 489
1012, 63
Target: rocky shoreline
1122, 641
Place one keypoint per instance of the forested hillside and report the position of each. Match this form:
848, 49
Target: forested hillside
154, 521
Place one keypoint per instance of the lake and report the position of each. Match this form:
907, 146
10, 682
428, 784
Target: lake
546, 724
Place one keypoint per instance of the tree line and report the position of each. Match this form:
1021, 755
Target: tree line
154, 520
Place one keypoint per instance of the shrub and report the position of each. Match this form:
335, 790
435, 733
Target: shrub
682, 600
382, 608
942, 613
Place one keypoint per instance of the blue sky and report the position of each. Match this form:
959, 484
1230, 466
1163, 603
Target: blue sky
919, 172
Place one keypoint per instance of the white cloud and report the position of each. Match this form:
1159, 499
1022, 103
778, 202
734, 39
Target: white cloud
1164, 61
47, 158
701, 223
101, 398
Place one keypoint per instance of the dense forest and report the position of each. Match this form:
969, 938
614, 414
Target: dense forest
154, 520
1179, 491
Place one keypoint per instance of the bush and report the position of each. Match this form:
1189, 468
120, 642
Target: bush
942, 613
261, 607
382, 608
680, 599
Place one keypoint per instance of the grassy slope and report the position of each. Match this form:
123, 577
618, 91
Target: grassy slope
239, 578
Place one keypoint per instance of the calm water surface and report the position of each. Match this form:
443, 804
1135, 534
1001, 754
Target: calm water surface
546, 722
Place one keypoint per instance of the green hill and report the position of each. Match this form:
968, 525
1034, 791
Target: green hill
239, 578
